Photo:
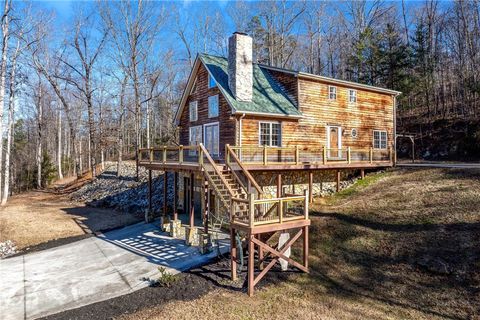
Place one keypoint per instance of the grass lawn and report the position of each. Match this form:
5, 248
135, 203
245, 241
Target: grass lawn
404, 244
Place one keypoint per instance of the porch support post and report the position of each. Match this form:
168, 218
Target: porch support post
310, 186
305, 247
251, 265
165, 187
205, 205
150, 192
192, 209
175, 196
233, 254
362, 173
338, 180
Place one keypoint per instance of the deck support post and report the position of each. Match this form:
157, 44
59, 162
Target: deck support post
233, 254
362, 173
165, 187
205, 204
305, 247
338, 180
150, 192
251, 265
310, 187
175, 196
192, 209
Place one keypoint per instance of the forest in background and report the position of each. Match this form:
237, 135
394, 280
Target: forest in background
107, 80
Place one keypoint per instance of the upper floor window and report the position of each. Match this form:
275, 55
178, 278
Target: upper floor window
193, 110
352, 95
213, 106
211, 82
332, 92
270, 134
379, 139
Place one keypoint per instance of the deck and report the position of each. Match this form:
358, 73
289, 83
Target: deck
187, 158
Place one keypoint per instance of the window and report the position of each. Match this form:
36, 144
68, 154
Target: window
352, 95
193, 108
211, 82
270, 134
195, 138
379, 139
332, 92
213, 106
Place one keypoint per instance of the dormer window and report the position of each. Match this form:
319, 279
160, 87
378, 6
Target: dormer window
193, 111
352, 96
211, 82
332, 92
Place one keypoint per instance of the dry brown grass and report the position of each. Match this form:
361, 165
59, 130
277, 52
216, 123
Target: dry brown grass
366, 245
33, 218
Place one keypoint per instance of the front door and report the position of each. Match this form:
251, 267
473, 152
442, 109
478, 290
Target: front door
334, 142
210, 138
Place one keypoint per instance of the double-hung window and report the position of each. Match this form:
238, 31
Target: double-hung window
352, 96
211, 82
379, 139
270, 134
193, 110
332, 92
213, 106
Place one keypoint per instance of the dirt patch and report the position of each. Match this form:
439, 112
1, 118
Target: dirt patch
33, 218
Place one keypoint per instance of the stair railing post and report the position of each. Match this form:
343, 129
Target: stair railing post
265, 156
200, 155
251, 209
324, 155
180, 154
227, 155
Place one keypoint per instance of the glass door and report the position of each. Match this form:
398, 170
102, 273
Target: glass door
210, 139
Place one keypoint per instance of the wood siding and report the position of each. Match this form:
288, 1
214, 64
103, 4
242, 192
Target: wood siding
372, 111
225, 118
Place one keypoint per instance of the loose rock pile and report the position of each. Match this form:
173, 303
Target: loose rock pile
7, 248
124, 193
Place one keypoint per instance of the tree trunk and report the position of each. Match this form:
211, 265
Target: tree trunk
59, 145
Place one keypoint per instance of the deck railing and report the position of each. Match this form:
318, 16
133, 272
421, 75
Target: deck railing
255, 212
238, 157
300, 155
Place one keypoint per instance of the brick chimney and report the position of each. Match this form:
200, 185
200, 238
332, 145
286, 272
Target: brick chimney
240, 68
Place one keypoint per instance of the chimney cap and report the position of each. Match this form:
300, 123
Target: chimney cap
241, 33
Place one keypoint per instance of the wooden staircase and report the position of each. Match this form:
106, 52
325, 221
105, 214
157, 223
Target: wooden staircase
226, 186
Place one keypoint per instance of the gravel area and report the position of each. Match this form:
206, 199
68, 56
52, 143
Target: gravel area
7, 248
124, 193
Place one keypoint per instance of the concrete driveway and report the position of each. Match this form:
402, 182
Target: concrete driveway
90, 270
458, 165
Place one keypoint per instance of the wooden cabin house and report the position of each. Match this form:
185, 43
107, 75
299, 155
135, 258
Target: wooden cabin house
256, 143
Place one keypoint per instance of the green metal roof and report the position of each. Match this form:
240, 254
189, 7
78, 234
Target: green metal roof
268, 96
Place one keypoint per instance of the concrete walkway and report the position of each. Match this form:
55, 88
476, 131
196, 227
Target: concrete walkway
91, 270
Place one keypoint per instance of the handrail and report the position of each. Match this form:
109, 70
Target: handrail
203, 150
244, 170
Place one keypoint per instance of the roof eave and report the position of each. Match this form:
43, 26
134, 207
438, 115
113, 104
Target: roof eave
270, 115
